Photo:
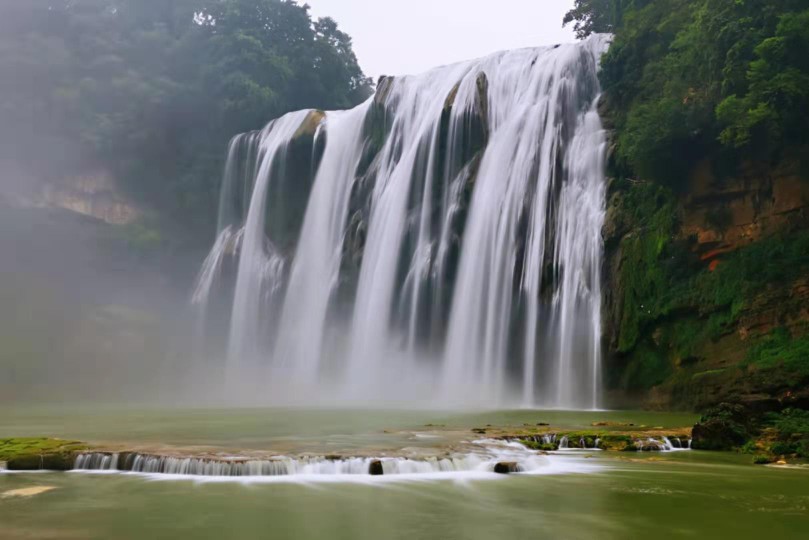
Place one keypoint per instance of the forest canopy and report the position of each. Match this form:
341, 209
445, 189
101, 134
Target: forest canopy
686, 79
152, 90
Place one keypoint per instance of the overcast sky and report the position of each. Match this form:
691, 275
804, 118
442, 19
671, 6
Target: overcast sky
399, 37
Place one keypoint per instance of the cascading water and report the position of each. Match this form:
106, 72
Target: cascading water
483, 458
441, 241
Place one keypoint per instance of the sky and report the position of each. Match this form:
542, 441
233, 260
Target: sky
401, 37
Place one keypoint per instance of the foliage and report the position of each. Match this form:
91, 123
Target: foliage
692, 78
153, 89
593, 16
780, 350
723, 427
776, 105
792, 429
778, 259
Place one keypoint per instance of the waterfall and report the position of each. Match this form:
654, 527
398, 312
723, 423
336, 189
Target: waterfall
439, 243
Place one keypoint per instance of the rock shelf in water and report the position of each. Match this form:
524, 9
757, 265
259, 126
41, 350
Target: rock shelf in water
501, 451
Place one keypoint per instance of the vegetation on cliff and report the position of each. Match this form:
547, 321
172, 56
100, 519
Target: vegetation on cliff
675, 307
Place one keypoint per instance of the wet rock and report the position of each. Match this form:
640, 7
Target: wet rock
375, 468
650, 445
507, 467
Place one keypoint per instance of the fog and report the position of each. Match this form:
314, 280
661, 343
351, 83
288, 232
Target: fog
83, 317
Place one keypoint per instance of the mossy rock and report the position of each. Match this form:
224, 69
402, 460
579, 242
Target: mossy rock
540, 446
48, 462
722, 428
33, 454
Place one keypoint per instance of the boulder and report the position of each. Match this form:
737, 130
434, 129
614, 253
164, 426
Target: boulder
375, 468
507, 467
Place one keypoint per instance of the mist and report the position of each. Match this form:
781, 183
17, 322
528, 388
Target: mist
114, 127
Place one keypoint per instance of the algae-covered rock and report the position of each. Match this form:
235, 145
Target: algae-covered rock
47, 462
721, 428
33, 454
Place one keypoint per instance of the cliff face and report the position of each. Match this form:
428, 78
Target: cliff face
93, 194
707, 293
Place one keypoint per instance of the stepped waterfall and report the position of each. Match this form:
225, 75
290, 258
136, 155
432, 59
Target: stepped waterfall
438, 244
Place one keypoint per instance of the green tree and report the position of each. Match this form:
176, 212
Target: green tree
688, 79
775, 108
594, 16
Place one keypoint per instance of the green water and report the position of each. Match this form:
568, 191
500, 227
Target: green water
676, 495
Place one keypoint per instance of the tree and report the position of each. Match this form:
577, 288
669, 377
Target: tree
688, 79
594, 16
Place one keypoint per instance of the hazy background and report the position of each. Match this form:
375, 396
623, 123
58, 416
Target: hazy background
400, 38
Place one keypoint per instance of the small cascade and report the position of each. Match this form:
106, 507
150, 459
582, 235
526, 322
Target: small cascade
96, 461
662, 444
487, 457
561, 442
187, 466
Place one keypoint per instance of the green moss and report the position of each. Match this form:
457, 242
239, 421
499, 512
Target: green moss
647, 367
706, 374
775, 260
39, 453
779, 350
644, 276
